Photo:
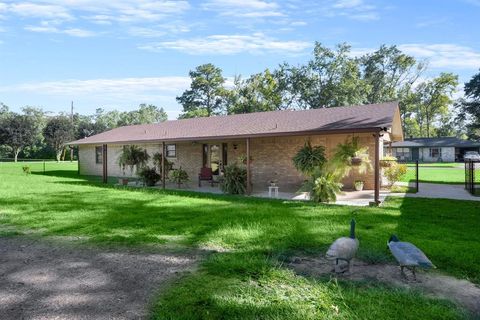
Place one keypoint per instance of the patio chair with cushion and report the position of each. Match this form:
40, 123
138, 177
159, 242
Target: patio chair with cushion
205, 174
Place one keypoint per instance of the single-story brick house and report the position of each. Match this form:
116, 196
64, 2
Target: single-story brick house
267, 140
443, 149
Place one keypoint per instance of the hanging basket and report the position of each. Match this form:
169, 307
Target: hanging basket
356, 161
386, 163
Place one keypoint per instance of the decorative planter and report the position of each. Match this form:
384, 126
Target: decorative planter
356, 161
359, 185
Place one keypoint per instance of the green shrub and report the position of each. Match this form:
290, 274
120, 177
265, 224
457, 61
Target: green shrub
26, 169
149, 176
395, 173
235, 180
179, 176
308, 158
323, 186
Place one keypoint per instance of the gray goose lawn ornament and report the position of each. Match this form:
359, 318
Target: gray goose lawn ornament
408, 256
343, 248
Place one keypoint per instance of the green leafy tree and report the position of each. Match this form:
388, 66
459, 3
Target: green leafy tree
389, 73
434, 98
469, 107
58, 131
331, 78
260, 92
17, 132
207, 95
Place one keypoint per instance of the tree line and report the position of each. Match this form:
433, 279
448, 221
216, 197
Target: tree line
330, 78
35, 134
335, 77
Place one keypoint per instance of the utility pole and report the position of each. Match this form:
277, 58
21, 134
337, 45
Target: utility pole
71, 119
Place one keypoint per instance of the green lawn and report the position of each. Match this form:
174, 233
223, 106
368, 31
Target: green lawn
246, 241
436, 175
438, 164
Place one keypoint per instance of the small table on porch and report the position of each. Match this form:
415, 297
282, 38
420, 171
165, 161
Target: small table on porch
275, 191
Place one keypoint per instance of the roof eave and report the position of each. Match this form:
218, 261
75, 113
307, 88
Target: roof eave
234, 137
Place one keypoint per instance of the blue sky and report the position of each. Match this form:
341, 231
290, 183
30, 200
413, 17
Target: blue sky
119, 54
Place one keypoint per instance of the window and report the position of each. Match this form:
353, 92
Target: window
171, 150
435, 153
402, 153
99, 155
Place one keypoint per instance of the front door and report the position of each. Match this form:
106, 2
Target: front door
415, 154
215, 157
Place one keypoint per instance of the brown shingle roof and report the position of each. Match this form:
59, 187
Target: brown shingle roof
275, 123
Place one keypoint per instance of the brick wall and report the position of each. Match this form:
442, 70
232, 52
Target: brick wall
271, 158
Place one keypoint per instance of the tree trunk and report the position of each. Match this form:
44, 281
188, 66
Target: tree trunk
15, 153
59, 155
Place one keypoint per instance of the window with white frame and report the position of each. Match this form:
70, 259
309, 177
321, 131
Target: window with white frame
171, 150
99, 155
401, 153
435, 152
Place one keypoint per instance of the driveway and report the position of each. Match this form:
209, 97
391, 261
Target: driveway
52, 280
444, 191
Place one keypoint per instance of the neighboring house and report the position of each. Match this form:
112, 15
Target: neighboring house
444, 149
270, 138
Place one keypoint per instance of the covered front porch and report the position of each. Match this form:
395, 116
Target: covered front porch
349, 197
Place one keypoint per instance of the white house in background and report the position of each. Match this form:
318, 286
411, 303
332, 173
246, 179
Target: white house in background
443, 149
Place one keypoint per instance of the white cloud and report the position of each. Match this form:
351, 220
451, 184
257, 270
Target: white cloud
102, 86
74, 32
444, 55
121, 93
93, 11
244, 8
352, 9
229, 44
44, 11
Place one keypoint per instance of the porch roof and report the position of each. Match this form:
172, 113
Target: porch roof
360, 118
436, 142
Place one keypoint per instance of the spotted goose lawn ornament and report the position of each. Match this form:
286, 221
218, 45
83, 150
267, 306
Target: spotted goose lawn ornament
408, 256
344, 249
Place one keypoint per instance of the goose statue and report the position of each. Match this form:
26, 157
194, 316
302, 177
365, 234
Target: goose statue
408, 256
343, 248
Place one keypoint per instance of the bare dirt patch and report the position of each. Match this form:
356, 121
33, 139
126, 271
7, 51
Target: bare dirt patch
55, 280
462, 292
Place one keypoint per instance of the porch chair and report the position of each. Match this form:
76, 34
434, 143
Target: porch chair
205, 174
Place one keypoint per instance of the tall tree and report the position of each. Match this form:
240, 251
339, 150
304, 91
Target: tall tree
330, 79
206, 96
469, 107
17, 132
260, 92
389, 74
58, 131
435, 97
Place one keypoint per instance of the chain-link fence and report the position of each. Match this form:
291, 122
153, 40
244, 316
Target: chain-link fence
472, 177
37, 165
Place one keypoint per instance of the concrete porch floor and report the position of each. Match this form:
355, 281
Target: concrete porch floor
350, 198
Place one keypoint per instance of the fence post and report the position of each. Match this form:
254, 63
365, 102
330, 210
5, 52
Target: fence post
43, 166
416, 175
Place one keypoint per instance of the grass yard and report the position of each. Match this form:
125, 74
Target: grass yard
439, 174
438, 164
246, 241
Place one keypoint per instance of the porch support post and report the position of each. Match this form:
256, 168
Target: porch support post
377, 167
249, 182
105, 166
163, 164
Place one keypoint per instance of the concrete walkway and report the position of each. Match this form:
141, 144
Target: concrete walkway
442, 191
